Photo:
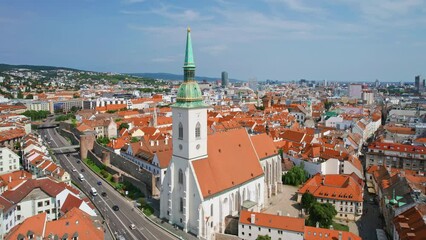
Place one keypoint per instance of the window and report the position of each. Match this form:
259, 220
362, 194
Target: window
180, 176
18, 207
46, 203
180, 131
40, 204
181, 205
198, 130
211, 209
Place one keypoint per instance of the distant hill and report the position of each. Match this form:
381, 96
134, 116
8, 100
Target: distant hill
173, 77
7, 67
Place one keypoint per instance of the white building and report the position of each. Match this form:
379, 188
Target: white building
253, 224
35, 196
355, 91
206, 179
9, 161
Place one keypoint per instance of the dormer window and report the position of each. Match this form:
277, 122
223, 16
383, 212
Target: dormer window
180, 131
198, 130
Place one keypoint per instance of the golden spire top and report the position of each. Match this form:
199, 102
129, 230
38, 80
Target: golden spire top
189, 29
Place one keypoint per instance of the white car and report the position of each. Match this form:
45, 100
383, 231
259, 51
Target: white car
132, 226
74, 170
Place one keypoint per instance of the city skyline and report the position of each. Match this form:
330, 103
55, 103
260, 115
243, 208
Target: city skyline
270, 39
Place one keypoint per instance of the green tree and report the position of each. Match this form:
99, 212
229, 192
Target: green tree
323, 213
103, 140
123, 125
263, 237
20, 95
296, 176
134, 139
74, 109
307, 200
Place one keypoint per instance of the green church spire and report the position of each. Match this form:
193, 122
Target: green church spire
189, 57
189, 94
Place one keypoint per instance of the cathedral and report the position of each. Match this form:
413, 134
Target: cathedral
212, 176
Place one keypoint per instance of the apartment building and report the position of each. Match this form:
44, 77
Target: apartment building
9, 161
396, 155
344, 192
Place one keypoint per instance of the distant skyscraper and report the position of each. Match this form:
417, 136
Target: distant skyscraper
225, 80
355, 91
377, 83
325, 82
419, 83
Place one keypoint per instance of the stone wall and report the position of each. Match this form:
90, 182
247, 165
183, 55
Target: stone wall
129, 167
144, 180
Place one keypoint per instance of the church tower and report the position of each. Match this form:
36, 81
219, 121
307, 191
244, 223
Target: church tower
189, 144
189, 113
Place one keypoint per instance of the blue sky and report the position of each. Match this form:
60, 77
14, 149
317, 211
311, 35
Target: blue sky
337, 40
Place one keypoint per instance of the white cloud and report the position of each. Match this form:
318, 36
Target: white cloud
133, 1
298, 5
164, 59
179, 14
214, 49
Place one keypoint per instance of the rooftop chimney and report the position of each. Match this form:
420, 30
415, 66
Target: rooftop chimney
10, 178
340, 235
278, 213
252, 218
317, 225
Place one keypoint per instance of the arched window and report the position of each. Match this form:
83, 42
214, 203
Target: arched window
198, 130
180, 131
211, 209
180, 176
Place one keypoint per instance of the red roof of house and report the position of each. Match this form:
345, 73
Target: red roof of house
334, 186
313, 233
273, 221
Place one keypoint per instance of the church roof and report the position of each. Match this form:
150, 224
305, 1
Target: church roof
227, 165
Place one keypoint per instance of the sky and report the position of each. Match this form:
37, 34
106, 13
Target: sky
337, 40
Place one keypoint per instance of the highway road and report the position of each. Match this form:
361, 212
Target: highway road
119, 221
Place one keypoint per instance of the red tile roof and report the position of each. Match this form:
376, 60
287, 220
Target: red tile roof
273, 221
313, 233
264, 145
410, 225
334, 186
217, 173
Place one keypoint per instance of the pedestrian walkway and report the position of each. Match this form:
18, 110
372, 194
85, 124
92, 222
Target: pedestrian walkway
284, 202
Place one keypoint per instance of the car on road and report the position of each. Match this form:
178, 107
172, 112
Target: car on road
103, 194
68, 155
132, 226
99, 183
74, 170
82, 170
115, 208
78, 161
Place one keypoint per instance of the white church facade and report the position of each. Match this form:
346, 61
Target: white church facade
211, 176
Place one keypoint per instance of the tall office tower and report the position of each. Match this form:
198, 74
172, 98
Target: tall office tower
225, 80
419, 83
377, 83
355, 91
325, 82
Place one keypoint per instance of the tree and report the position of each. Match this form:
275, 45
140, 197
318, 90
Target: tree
323, 213
134, 139
296, 176
307, 200
20, 95
263, 237
123, 125
74, 109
